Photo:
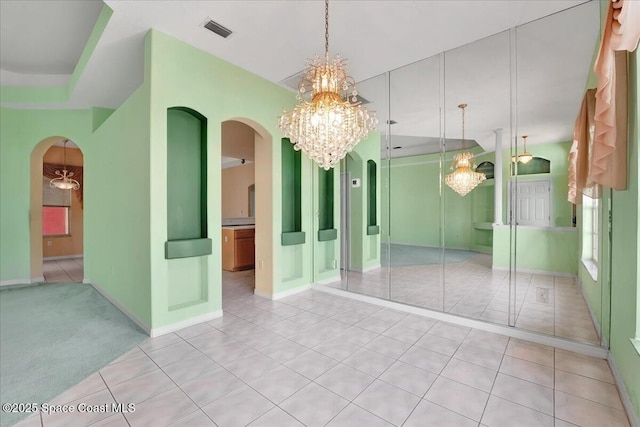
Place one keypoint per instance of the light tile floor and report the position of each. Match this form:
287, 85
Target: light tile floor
63, 270
547, 304
317, 359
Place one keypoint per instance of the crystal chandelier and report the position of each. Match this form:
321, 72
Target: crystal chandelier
329, 122
463, 179
64, 180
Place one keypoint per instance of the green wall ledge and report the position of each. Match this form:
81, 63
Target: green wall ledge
327, 235
372, 230
187, 248
293, 238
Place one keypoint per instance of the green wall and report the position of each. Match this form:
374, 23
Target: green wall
20, 132
545, 250
624, 256
219, 91
117, 206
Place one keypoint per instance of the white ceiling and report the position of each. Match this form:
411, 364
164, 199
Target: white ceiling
273, 39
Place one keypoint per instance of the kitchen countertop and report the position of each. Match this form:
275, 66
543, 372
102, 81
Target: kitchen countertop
238, 227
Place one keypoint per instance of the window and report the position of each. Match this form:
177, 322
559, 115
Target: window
55, 220
590, 234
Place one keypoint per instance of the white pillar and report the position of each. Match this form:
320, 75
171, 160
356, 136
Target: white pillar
498, 183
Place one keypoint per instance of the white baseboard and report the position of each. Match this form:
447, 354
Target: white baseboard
545, 272
120, 307
328, 280
15, 282
634, 419
283, 294
54, 258
564, 344
156, 332
366, 269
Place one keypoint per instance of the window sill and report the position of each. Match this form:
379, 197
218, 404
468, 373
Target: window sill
591, 267
636, 344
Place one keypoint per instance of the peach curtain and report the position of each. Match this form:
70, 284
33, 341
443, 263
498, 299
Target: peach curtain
621, 33
579, 155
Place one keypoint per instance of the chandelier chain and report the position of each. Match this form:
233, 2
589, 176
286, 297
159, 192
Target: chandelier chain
326, 29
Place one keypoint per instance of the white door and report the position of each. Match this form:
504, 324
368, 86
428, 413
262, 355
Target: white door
533, 203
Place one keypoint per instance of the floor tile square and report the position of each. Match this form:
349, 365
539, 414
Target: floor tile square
409, 378
387, 401
369, 362
469, 374
314, 405
526, 370
238, 408
162, 409
311, 364
502, 413
345, 381
354, 415
278, 384
587, 413
460, 398
276, 417
425, 359
430, 414
524, 393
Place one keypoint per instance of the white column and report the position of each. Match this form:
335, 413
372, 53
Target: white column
498, 183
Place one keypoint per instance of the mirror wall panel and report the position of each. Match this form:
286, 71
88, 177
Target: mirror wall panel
553, 63
478, 75
413, 180
495, 254
362, 193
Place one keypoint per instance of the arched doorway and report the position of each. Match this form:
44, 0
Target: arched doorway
243, 138
56, 216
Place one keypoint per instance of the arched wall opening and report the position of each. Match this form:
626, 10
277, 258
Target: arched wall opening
64, 245
263, 202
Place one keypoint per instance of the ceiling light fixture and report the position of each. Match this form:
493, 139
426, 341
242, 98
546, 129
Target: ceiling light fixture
463, 179
64, 180
525, 157
328, 125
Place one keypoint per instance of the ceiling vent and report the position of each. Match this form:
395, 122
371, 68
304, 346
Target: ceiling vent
213, 26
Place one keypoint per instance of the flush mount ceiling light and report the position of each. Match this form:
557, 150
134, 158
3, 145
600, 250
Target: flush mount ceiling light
329, 121
463, 179
64, 180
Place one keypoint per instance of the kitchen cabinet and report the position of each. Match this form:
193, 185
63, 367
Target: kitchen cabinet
238, 248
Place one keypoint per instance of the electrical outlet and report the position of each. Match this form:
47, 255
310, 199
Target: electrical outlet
261, 264
49, 243
542, 295
335, 263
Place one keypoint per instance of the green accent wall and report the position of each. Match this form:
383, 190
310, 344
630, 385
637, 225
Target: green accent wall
292, 233
186, 175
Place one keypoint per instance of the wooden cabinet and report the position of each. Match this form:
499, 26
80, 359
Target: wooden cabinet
238, 249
